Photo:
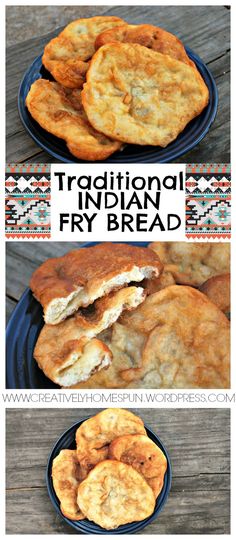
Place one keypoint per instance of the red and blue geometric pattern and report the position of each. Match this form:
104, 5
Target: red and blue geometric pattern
27, 201
208, 201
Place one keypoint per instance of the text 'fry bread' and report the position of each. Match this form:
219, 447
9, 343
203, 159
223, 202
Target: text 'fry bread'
186, 340
114, 494
67, 352
81, 276
66, 479
140, 96
94, 435
192, 263
149, 36
67, 55
143, 455
61, 113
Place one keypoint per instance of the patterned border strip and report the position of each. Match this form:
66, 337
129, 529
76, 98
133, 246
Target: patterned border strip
208, 168
27, 201
208, 200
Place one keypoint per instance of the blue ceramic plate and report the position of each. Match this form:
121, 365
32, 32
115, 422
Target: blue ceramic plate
24, 326
190, 137
67, 440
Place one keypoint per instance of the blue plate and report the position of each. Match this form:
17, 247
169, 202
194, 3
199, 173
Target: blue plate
24, 326
190, 137
67, 440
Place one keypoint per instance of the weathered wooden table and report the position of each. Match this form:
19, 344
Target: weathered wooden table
205, 29
198, 441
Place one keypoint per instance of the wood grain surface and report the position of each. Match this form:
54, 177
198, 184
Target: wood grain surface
198, 442
205, 29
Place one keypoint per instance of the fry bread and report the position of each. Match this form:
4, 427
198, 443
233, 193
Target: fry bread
67, 55
77, 361
217, 288
64, 284
66, 479
110, 377
126, 347
186, 340
176, 340
192, 263
140, 96
153, 285
149, 36
60, 112
143, 455
114, 494
67, 352
94, 435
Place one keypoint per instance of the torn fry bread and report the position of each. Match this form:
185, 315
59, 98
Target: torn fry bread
61, 113
66, 479
112, 376
64, 284
68, 353
66, 56
156, 284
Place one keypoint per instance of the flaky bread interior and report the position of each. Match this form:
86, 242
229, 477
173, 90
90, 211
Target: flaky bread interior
61, 308
84, 361
65, 353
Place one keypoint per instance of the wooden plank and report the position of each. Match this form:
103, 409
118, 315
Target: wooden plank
193, 25
199, 445
39, 20
10, 306
215, 147
195, 513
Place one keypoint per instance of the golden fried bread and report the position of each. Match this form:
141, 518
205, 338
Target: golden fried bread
75, 361
60, 112
186, 340
76, 279
66, 56
110, 377
175, 340
66, 479
192, 263
153, 285
149, 36
95, 434
126, 348
140, 96
114, 494
217, 288
67, 352
143, 455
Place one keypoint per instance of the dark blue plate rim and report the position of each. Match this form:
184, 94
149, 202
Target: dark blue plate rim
151, 155
87, 527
